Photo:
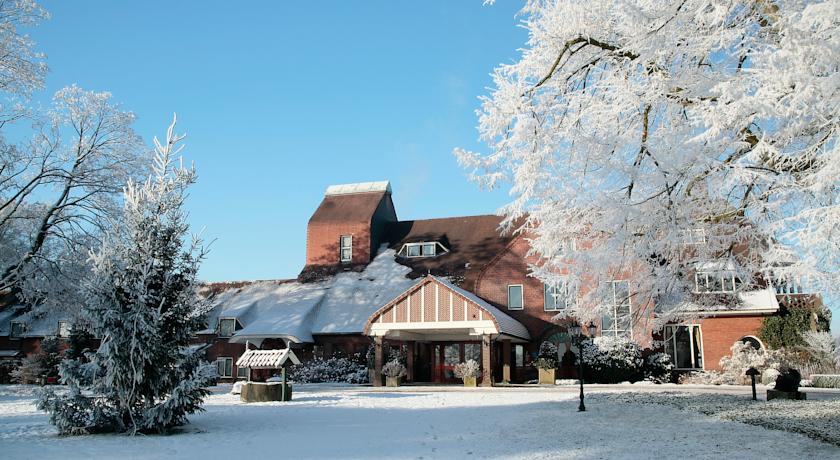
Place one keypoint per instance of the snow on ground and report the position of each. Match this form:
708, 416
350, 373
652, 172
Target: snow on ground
353, 422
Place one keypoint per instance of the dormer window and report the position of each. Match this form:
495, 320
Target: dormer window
346, 248
694, 237
64, 329
422, 249
716, 281
16, 329
227, 326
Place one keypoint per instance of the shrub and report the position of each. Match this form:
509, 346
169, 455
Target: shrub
612, 360
331, 370
822, 353
547, 357
393, 369
825, 380
658, 367
785, 330
744, 356
43, 364
470, 368
706, 378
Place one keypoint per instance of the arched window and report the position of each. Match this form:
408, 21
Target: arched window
752, 341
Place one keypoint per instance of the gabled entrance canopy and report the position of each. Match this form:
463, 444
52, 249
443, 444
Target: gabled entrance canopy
435, 309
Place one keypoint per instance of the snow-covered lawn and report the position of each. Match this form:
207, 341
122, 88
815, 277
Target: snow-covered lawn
352, 422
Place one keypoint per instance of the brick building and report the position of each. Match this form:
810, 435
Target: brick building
445, 290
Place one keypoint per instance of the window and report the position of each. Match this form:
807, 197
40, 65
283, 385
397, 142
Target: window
716, 281
694, 236
519, 355
560, 296
17, 328
752, 341
64, 329
422, 249
224, 366
242, 372
346, 248
515, 297
684, 345
227, 326
618, 318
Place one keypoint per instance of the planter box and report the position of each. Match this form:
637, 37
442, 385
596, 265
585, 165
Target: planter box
265, 392
776, 394
392, 381
546, 376
469, 381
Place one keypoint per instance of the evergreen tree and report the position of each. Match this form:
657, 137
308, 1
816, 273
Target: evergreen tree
142, 298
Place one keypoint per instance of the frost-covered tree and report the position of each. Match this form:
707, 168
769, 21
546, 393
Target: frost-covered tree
60, 190
22, 68
142, 300
662, 137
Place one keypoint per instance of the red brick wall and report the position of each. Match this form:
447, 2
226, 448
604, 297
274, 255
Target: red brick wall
511, 267
720, 333
322, 240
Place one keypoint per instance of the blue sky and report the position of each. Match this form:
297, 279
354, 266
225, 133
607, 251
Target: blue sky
281, 99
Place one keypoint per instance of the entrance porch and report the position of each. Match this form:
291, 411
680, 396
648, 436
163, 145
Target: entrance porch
441, 325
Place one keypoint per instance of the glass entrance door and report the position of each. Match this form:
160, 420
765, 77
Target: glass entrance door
450, 354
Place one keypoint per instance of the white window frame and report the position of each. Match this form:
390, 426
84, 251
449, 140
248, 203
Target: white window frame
723, 276
342, 247
555, 292
225, 359
225, 318
613, 310
59, 332
439, 249
694, 237
12, 334
521, 296
670, 340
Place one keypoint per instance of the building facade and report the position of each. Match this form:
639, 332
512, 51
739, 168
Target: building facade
442, 291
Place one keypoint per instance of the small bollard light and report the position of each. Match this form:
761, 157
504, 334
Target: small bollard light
752, 372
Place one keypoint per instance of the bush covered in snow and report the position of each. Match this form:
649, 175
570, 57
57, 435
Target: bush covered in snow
825, 380
658, 367
394, 369
330, 370
743, 356
609, 359
547, 357
469, 368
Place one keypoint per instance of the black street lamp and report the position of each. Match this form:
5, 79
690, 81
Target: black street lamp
577, 334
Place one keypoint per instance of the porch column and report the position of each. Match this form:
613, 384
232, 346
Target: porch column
506, 361
377, 361
486, 372
409, 377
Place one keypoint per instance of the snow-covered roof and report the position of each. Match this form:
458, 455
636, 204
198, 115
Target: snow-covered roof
39, 323
507, 324
266, 359
269, 309
352, 297
361, 187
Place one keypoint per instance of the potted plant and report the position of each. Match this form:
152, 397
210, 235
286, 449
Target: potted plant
393, 371
468, 372
546, 362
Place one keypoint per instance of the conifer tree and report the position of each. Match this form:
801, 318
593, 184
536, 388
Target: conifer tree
142, 301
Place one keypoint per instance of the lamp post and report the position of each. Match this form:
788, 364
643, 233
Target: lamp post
577, 333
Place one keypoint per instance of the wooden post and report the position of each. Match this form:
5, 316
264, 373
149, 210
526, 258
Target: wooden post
409, 377
506, 361
377, 361
486, 371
